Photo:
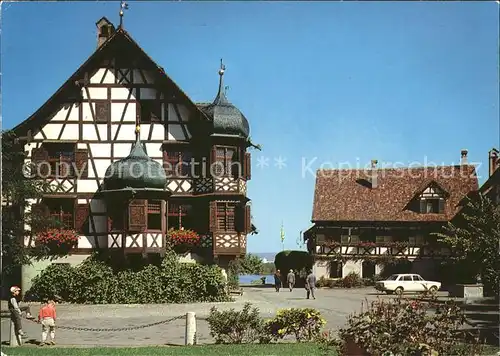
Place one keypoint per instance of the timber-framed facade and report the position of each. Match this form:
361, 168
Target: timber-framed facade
367, 220
121, 108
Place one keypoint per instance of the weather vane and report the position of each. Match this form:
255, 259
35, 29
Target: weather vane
222, 68
123, 6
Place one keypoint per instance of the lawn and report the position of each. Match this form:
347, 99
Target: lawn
219, 350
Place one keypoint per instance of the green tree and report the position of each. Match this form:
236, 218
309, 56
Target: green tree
474, 238
251, 264
16, 221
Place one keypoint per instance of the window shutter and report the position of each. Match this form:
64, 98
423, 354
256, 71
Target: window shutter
248, 220
423, 209
213, 216
40, 157
137, 215
82, 162
247, 166
82, 212
39, 216
240, 224
441, 206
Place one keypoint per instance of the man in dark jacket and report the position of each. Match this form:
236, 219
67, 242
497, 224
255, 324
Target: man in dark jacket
277, 280
291, 279
310, 284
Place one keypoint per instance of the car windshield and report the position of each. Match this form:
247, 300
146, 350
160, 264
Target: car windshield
417, 278
393, 277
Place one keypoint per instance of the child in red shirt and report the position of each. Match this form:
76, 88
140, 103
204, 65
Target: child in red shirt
47, 317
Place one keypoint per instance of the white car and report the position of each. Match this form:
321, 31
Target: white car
400, 283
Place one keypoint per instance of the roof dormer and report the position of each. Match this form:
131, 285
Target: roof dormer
429, 198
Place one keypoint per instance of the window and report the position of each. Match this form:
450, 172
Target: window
61, 211
407, 279
60, 158
116, 216
226, 162
154, 215
335, 269
416, 277
150, 111
383, 239
177, 163
432, 206
102, 111
179, 216
225, 216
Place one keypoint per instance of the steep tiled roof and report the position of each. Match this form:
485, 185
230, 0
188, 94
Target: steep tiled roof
340, 194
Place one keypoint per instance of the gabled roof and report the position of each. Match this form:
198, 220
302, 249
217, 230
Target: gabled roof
339, 196
119, 37
429, 182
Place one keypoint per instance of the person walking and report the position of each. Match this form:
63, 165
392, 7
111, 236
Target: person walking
277, 280
16, 311
310, 285
47, 317
291, 279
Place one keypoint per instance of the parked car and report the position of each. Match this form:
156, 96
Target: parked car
400, 283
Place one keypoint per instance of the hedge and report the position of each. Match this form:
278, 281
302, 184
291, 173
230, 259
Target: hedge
96, 282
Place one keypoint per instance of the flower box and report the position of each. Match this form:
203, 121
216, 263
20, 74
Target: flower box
57, 240
183, 240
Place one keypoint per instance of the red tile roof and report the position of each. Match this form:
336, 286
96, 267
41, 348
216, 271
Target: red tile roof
342, 195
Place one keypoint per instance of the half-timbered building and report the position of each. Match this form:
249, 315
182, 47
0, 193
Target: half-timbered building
128, 155
491, 188
364, 220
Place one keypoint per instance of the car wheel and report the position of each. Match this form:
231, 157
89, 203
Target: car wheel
399, 290
433, 289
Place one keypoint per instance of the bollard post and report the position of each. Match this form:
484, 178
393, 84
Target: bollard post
190, 328
15, 339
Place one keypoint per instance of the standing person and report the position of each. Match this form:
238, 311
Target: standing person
16, 311
277, 280
310, 284
291, 279
47, 317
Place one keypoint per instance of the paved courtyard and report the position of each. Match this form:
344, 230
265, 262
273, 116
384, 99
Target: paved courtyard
334, 304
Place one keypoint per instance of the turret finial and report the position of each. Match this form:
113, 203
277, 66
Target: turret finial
123, 6
221, 94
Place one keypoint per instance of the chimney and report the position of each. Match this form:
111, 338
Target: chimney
104, 30
374, 174
494, 161
463, 159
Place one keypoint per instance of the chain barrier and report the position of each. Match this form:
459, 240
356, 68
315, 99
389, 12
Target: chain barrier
117, 329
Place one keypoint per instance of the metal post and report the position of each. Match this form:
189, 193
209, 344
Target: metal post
15, 339
190, 328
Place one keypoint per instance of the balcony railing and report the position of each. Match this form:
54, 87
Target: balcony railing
222, 185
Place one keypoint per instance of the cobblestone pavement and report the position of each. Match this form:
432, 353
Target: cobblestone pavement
334, 304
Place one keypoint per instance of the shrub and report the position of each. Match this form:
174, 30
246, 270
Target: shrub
95, 281
235, 327
324, 282
405, 327
304, 323
352, 280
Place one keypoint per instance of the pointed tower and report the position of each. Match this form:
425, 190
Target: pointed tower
227, 118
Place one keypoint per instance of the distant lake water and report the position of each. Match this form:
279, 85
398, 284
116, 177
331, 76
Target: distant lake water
248, 278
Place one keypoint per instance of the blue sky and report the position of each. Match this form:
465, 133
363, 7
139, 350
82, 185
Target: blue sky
330, 81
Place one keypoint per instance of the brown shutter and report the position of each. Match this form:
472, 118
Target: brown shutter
82, 212
40, 157
441, 206
82, 162
248, 219
213, 216
247, 164
214, 155
39, 216
137, 215
239, 218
